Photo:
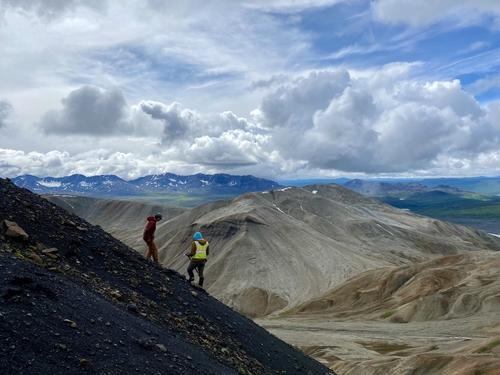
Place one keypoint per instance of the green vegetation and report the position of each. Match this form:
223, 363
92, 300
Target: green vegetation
388, 314
383, 347
488, 347
477, 210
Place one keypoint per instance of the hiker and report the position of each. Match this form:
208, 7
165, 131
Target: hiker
198, 255
149, 236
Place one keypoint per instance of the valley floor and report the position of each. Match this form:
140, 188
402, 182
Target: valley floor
373, 347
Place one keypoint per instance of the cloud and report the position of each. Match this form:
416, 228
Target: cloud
127, 165
99, 161
88, 111
222, 139
232, 149
356, 122
478, 45
5, 111
293, 103
369, 122
373, 125
52, 8
289, 5
426, 12
485, 84
269, 82
182, 124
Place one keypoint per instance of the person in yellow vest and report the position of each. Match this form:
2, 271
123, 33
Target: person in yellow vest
198, 255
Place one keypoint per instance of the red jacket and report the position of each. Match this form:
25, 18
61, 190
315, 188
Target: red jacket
149, 230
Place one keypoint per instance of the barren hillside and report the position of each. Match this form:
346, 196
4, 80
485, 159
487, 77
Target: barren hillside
278, 249
437, 317
114, 215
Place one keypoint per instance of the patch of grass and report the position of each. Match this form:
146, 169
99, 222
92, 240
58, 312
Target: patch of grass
440, 204
488, 347
388, 314
383, 347
19, 254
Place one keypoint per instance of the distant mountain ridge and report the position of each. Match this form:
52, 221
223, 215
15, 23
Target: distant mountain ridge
480, 184
398, 188
111, 185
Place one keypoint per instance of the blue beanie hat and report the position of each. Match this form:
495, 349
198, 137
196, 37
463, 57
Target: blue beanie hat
197, 236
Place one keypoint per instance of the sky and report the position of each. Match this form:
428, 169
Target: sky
280, 89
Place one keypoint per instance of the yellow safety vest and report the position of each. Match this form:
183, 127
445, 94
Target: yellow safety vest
201, 251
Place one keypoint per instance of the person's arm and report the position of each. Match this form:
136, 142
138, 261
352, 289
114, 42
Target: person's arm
193, 250
208, 250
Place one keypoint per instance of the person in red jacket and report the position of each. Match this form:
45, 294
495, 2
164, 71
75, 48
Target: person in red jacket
149, 237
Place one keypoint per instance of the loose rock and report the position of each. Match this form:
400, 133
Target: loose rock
13, 230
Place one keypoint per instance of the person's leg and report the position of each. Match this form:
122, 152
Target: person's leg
191, 267
154, 251
148, 251
201, 267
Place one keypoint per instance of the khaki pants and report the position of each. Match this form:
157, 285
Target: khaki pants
152, 251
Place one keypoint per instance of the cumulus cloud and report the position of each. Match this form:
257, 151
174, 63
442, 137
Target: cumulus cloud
293, 103
218, 139
425, 12
127, 165
367, 124
5, 111
99, 161
183, 124
232, 149
383, 122
88, 111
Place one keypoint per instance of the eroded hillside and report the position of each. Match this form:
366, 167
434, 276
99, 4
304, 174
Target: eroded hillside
437, 317
278, 249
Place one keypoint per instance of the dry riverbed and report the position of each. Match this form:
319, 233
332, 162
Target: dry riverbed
458, 347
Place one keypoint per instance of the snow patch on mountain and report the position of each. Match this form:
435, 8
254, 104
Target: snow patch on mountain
50, 184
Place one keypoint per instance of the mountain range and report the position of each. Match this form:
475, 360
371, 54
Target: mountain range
111, 185
393, 187
374, 188
480, 184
